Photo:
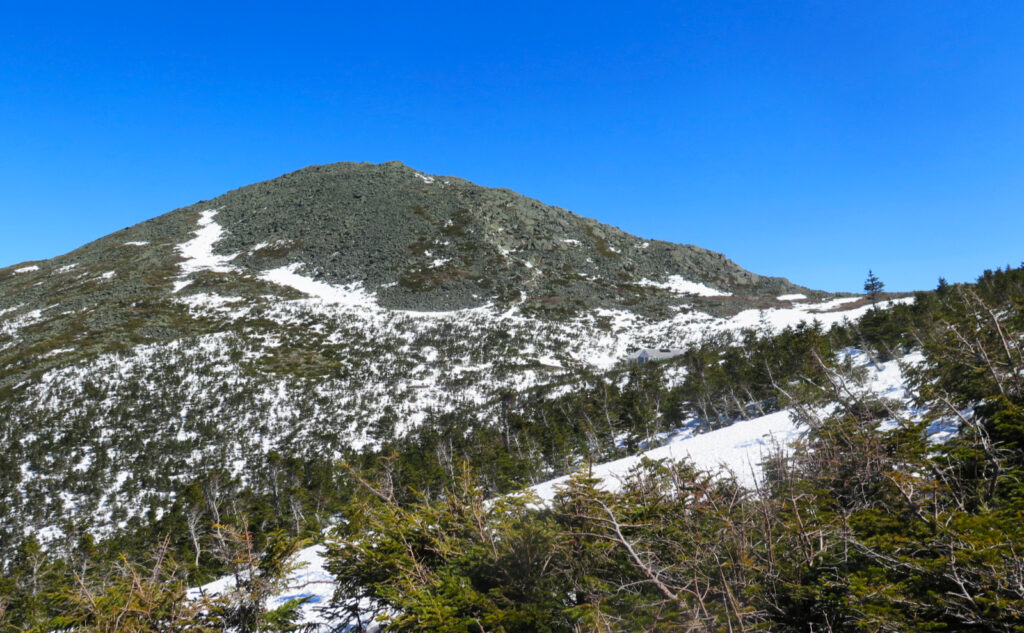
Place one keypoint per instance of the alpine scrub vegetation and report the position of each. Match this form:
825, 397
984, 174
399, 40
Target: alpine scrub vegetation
122, 596
867, 526
652, 557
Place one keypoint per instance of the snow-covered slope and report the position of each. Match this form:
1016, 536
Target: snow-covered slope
738, 449
309, 375
318, 313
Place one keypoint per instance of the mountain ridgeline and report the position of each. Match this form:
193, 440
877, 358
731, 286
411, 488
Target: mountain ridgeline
419, 242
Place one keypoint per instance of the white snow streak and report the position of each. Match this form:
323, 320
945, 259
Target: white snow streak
309, 580
678, 285
350, 295
198, 252
739, 448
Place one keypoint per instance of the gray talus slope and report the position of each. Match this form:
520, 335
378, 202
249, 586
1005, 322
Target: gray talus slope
438, 243
421, 243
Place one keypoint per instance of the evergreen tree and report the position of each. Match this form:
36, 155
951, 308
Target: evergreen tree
873, 286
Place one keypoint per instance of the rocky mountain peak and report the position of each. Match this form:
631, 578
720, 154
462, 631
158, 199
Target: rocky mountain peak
409, 240
427, 242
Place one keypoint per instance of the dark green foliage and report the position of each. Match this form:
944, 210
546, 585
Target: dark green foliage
456, 564
867, 526
128, 597
873, 287
651, 558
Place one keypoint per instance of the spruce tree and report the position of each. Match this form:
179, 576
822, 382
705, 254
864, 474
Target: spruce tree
873, 286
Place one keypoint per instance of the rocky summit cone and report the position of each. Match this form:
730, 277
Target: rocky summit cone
411, 241
424, 242
417, 242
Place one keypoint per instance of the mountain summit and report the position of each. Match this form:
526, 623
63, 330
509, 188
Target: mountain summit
335, 307
422, 242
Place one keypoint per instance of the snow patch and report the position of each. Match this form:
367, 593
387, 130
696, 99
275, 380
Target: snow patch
351, 295
780, 318
792, 297
198, 252
827, 305
9, 328
310, 579
740, 448
56, 352
26, 269
678, 285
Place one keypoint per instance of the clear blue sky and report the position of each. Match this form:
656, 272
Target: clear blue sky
811, 140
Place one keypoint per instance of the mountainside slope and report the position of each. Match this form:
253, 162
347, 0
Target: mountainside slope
736, 451
416, 242
320, 311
